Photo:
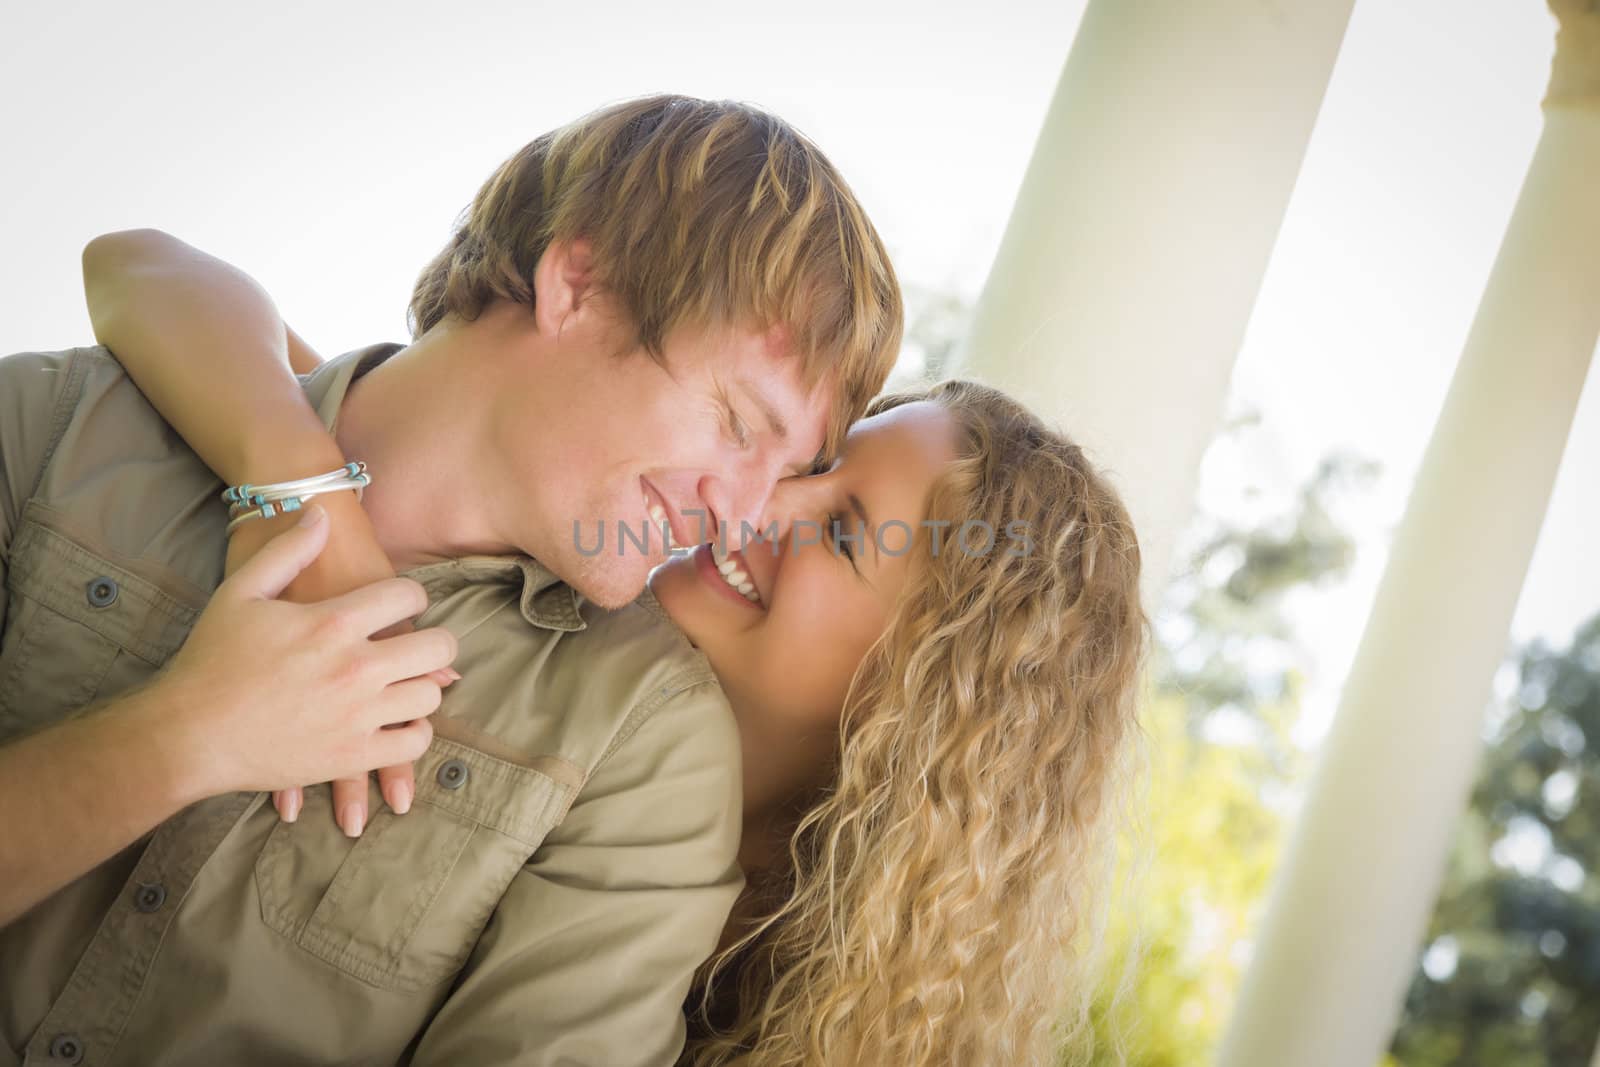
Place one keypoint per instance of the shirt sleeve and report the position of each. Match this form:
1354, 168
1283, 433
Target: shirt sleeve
31, 387
589, 956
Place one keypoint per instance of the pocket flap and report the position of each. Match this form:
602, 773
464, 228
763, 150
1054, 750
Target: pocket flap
69, 578
521, 799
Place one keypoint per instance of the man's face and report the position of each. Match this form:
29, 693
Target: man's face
694, 442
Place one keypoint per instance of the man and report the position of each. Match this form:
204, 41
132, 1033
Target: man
658, 310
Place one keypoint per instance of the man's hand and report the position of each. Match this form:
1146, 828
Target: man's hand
276, 694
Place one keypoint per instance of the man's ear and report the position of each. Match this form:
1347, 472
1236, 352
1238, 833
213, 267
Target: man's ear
563, 282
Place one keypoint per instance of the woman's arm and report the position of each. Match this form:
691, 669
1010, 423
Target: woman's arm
206, 345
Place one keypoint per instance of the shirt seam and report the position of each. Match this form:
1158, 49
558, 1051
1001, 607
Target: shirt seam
667, 691
61, 417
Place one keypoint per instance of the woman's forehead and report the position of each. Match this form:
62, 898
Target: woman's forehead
922, 425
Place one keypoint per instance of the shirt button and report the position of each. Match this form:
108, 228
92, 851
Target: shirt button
66, 1047
102, 592
149, 897
452, 774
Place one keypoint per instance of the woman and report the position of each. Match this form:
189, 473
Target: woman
932, 727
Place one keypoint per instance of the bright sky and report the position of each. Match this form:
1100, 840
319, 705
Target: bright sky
1412, 173
326, 148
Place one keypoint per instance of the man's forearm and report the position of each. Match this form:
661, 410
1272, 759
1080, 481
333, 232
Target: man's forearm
75, 794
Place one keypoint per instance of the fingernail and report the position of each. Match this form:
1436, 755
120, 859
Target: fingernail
311, 514
291, 807
401, 801
455, 675
353, 817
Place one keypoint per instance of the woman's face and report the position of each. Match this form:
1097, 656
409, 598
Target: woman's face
816, 602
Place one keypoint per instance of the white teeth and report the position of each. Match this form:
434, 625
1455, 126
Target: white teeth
734, 575
658, 516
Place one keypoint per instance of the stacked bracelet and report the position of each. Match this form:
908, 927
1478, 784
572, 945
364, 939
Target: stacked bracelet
248, 502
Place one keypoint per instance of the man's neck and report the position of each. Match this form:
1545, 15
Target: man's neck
413, 420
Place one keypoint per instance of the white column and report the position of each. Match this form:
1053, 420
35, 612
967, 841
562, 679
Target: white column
1119, 298
1351, 902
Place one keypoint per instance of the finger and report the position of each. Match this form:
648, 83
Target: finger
403, 744
404, 626
414, 698
282, 559
288, 802
381, 604
413, 655
350, 804
445, 676
398, 784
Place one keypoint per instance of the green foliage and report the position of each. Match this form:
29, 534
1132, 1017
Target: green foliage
1221, 764
1211, 845
1510, 972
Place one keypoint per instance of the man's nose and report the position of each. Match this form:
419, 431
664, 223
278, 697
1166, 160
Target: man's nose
744, 503
746, 511
735, 510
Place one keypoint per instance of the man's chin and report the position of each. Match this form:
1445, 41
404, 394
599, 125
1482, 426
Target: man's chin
611, 601
613, 587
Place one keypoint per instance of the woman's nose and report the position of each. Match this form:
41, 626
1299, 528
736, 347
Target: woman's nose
792, 498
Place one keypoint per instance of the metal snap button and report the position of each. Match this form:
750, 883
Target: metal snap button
102, 592
452, 774
149, 897
66, 1047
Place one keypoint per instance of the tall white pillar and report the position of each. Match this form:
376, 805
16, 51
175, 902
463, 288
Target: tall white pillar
1119, 298
1351, 903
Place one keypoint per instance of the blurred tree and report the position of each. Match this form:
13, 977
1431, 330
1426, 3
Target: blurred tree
1222, 770
1510, 973
1206, 853
936, 320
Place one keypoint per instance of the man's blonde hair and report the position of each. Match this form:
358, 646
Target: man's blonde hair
699, 213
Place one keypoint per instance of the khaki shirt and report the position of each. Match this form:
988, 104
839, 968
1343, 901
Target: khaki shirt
567, 863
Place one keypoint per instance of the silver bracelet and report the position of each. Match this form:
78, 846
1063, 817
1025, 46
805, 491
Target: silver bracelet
248, 502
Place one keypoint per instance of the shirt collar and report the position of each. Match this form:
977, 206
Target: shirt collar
546, 602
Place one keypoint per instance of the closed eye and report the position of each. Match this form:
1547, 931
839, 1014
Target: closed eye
840, 542
738, 429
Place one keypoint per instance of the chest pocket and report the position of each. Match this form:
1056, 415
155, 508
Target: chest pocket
79, 627
401, 906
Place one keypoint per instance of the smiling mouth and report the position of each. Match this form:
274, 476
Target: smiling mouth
731, 567
659, 518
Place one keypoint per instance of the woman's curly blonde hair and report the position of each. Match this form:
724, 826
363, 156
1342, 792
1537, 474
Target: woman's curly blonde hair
944, 893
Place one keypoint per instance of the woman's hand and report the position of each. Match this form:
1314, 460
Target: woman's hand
351, 560
273, 694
